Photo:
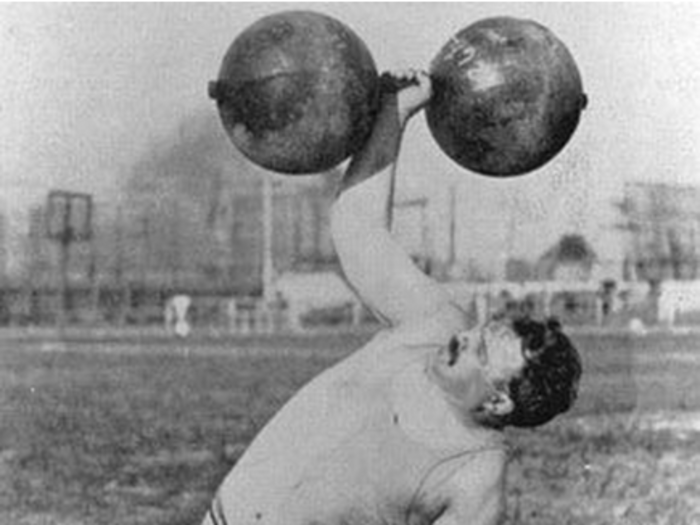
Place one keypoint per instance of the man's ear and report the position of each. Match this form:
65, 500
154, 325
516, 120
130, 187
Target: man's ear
499, 404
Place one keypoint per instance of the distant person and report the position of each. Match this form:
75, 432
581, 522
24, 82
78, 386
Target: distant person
407, 430
176, 315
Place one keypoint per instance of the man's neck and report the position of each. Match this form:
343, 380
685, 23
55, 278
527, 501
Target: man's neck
427, 417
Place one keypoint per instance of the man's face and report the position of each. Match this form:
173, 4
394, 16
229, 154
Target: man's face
473, 362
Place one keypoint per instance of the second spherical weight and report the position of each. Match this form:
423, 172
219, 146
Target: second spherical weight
297, 92
507, 96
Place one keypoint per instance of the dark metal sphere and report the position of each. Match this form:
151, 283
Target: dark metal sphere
507, 97
297, 92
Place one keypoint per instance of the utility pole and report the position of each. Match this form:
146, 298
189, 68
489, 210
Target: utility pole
94, 280
124, 296
146, 247
268, 267
452, 255
64, 255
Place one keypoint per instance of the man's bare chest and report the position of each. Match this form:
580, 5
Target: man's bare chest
375, 477
381, 476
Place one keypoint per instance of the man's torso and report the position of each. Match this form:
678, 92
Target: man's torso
345, 450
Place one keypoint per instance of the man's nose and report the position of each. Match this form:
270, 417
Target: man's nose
502, 328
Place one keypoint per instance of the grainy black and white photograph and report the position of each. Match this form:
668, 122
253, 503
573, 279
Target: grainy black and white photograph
349, 263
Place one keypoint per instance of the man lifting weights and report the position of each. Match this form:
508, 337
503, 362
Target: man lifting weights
407, 430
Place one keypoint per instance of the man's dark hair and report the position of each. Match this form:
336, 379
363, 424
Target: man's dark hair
548, 384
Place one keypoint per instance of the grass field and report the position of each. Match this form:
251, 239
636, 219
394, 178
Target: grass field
131, 431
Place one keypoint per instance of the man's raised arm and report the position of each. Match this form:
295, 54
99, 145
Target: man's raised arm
378, 268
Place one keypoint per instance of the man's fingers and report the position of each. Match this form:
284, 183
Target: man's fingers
395, 81
391, 83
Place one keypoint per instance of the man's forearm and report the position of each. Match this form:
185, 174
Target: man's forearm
382, 148
377, 267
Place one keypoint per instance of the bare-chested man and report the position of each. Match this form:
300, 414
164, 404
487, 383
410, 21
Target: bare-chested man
407, 430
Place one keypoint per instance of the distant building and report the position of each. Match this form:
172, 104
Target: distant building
301, 239
301, 228
662, 226
570, 259
518, 270
38, 269
13, 208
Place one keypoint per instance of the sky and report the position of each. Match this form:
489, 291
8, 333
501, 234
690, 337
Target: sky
86, 88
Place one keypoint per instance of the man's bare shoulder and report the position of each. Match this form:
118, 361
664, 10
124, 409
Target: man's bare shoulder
434, 329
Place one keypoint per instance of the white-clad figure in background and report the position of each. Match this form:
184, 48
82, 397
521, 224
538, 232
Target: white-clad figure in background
176, 320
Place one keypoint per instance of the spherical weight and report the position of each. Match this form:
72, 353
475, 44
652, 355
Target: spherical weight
297, 92
507, 96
